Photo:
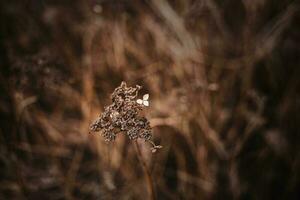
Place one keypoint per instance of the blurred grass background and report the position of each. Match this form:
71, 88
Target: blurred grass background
223, 78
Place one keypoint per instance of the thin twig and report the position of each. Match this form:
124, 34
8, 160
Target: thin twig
146, 171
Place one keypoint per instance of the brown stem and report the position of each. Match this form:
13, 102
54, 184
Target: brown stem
146, 171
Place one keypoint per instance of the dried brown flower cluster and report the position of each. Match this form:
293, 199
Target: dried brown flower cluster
122, 116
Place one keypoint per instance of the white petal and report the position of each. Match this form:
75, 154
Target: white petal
139, 101
153, 150
146, 97
146, 103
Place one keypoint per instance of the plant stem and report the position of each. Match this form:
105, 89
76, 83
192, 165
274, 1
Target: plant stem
149, 179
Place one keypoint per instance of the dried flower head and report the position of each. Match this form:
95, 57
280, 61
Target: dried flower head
122, 116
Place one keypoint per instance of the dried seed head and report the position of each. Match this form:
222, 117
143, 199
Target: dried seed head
123, 116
